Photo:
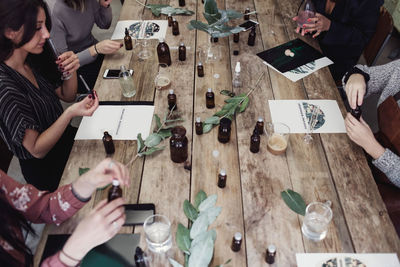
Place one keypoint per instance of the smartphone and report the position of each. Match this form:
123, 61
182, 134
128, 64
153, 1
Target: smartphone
113, 73
136, 214
248, 24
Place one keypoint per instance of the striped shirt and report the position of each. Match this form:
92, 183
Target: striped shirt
24, 106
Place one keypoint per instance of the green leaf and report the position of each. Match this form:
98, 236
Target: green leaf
233, 100
220, 113
199, 226
202, 253
195, 24
183, 238
152, 140
165, 133
176, 11
208, 203
210, 7
233, 14
222, 265
158, 121
190, 211
201, 195
207, 127
228, 93
294, 201
212, 120
212, 213
174, 263
230, 106
140, 142
244, 105
150, 151
201, 238
83, 170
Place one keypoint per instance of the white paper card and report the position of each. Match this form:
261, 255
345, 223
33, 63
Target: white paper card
140, 29
305, 70
123, 122
347, 260
297, 114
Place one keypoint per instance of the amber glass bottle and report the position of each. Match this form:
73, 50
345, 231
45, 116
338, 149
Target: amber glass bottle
164, 56
224, 130
246, 16
108, 143
182, 3
252, 37
222, 179
270, 254
182, 52
210, 103
199, 126
236, 242
169, 19
255, 141
260, 126
356, 112
175, 27
115, 191
200, 70
127, 40
172, 100
236, 37
178, 144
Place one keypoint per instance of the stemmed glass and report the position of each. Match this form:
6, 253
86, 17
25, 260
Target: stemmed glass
311, 125
65, 76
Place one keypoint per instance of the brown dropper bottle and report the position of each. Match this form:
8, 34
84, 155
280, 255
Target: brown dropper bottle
108, 143
115, 191
210, 103
164, 56
127, 40
252, 37
172, 100
200, 70
175, 27
182, 52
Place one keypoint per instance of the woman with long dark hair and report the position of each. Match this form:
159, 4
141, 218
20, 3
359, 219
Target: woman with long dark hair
32, 121
20, 203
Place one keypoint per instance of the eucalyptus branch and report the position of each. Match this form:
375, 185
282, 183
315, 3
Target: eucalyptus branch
140, 3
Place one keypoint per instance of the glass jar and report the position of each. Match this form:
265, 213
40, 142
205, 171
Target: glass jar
178, 144
224, 130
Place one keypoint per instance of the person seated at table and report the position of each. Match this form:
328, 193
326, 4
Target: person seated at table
384, 147
343, 28
21, 203
73, 21
32, 121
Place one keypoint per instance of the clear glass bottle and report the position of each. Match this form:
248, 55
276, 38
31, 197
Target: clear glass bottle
237, 80
236, 242
224, 130
108, 143
255, 142
172, 100
222, 179
252, 37
210, 103
246, 16
270, 254
128, 40
115, 191
178, 144
164, 56
126, 82
306, 11
199, 126
182, 52
260, 125
175, 27
169, 18
200, 70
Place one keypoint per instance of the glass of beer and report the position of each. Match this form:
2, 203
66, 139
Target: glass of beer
278, 137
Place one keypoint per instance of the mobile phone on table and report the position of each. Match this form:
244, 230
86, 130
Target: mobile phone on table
248, 24
113, 73
136, 214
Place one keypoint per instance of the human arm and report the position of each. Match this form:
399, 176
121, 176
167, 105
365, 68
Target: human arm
68, 63
103, 14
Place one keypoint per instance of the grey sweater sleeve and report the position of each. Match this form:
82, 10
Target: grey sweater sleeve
103, 17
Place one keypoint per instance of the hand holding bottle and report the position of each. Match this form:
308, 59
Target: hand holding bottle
86, 107
355, 90
68, 62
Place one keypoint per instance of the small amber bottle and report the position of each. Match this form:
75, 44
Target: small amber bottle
172, 100
236, 37
175, 27
252, 37
246, 12
178, 144
169, 19
200, 70
182, 52
222, 179
108, 143
199, 126
115, 191
182, 3
164, 56
210, 103
224, 130
356, 113
255, 141
260, 125
270, 254
236, 242
127, 40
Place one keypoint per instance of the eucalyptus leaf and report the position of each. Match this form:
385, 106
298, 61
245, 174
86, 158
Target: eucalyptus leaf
190, 211
230, 106
157, 10
208, 203
222, 265
199, 226
228, 93
152, 140
221, 113
244, 104
150, 151
195, 24
210, 7
233, 14
212, 120
140, 142
170, 126
183, 238
174, 120
83, 170
233, 100
201, 238
201, 195
164, 133
158, 121
207, 127
202, 253
174, 263
212, 213
294, 201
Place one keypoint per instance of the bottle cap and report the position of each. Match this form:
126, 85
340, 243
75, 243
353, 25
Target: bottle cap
209, 90
122, 68
181, 44
222, 172
169, 14
271, 249
115, 182
161, 40
200, 64
105, 133
126, 30
173, 19
248, 8
260, 119
198, 119
171, 91
238, 236
237, 68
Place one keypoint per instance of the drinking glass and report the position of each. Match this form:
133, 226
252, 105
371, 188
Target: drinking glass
157, 229
162, 80
56, 54
311, 125
144, 52
278, 137
306, 11
316, 221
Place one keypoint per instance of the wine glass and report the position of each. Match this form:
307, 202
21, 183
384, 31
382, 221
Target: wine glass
306, 11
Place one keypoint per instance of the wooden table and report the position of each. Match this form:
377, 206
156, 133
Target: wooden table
332, 168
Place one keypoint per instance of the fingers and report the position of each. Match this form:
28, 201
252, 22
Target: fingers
360, 98
118, 171
69, 61
108, 208
115, 215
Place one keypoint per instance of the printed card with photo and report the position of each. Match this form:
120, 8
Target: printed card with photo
141, 29
347, 260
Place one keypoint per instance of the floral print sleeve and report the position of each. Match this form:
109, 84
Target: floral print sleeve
40, 206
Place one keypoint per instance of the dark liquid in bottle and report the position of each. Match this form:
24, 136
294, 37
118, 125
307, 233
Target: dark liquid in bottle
255, 142
224, 130
200, 70
210, 103
199, 128
182, 52
175, 27
172, 101
260, 127
108, 143
221, 180
181, 2
246, 17
169, 21
236, 37
236, 244
252, 37
356, 112
164, 56
178, 145
114, 192
127, 40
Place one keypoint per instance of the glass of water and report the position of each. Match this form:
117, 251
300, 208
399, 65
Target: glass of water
316, 221
157, 229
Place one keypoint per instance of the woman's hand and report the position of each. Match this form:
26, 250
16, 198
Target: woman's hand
99, 226
68, 62
108, 46
100, 176
86, 107
317, 24
361, 134
105, 3
355, 89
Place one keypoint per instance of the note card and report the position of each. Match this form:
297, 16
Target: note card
141, 29
347, 260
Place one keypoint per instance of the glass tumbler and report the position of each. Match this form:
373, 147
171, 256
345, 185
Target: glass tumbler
316, 221
278, 137
65, 76
157, 229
